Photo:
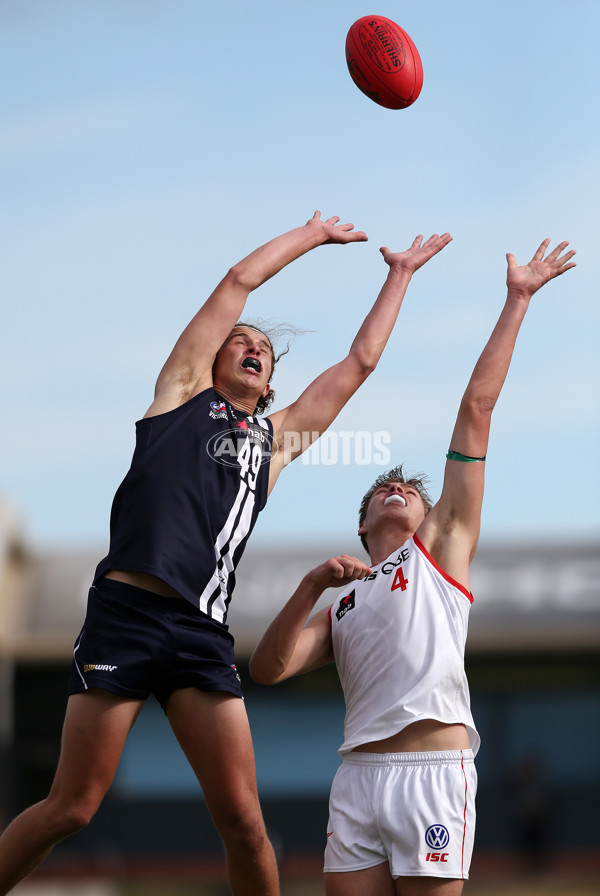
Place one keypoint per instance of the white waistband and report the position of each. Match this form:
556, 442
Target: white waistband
435, 757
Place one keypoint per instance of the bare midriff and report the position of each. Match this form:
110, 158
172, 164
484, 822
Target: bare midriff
420, 737
142, 580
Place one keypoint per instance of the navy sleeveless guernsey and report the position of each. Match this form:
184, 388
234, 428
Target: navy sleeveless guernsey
197, 482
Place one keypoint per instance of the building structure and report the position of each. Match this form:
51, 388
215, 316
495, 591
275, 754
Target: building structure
533, 661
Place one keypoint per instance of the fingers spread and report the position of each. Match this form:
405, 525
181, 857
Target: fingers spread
556, 251
568, 257
542, 248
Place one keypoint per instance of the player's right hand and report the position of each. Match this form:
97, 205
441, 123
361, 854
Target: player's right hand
331, 231
339, 571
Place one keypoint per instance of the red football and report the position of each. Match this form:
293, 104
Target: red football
383, 62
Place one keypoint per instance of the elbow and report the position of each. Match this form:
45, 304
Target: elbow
366, 369
238, 277
363, 363
478, 407
261, 674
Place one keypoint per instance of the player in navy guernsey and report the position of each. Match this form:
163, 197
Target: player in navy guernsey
202, 469
401, 809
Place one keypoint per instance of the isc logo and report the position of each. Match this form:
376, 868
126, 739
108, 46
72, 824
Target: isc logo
437, 857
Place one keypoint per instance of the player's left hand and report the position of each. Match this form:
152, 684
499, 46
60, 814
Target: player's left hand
416, 255
528, 278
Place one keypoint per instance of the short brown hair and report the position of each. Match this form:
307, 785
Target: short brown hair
396, 474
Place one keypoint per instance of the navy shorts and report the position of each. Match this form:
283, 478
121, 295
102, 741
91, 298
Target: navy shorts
135, 643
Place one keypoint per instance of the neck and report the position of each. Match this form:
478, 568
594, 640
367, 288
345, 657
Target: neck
246, 404
382, 546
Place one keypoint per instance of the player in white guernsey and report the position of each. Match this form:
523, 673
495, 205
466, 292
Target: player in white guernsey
402, 812
155, 585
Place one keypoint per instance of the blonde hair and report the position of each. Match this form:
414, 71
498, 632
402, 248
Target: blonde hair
394, 475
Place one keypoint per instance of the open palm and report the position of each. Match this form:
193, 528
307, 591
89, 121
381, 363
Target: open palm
334, 232
528, 278
416, 255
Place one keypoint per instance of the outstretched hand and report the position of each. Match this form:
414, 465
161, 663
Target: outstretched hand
418, 254
528, 278
332, 231
339, 571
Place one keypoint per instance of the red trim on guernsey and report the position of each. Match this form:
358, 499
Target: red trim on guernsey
448, 578
329, 614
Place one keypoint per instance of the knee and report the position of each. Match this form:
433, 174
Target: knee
72, 816
245, 831
78, 816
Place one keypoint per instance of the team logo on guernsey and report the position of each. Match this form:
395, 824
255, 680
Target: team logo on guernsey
247, 442
437, 836
346, 603
218, 410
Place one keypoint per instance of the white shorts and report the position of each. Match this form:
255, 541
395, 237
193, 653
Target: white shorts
415, 811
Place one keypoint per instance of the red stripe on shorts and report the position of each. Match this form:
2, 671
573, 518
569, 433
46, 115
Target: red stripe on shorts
462, 858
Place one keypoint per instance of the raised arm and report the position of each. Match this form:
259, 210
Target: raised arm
322, 401
289, 645
451, 529
188, 368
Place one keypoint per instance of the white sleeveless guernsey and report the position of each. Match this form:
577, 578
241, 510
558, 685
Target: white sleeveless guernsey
399, 643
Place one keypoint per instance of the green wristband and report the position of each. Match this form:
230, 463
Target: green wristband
456, 455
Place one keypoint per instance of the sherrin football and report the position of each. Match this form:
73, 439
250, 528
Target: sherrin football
383, 62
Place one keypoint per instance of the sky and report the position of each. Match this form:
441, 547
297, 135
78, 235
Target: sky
147, 146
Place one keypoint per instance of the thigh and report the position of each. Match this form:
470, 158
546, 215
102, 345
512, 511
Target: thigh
203, 657
367, 882
94, 732
429, 818
353, 837
428, 886
213, 731
120, 645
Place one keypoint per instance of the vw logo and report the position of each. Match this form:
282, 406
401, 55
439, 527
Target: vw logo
437, 836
